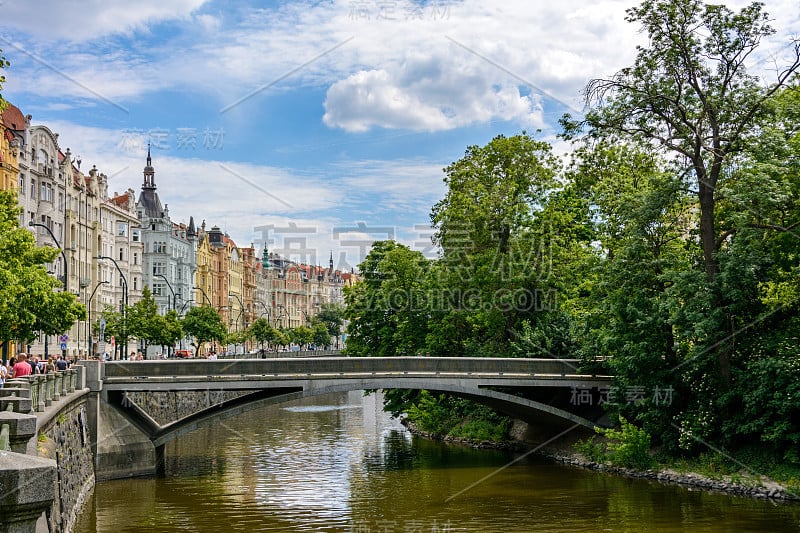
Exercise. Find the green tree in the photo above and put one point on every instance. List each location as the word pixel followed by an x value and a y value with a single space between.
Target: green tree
pixel 3 64
pixel 169 330
pixel 262 331
pixel 496 258
pixel 144 322
pixel 386 308
pixel 321 336
pixel 113 320
pixel 332 315
pixel 690 92
pixel 28 303
pixel 205 324
pixel 301 335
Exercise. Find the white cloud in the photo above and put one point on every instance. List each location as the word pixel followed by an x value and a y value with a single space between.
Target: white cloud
pixel 418 66
pixel 56 19
pixel 241 197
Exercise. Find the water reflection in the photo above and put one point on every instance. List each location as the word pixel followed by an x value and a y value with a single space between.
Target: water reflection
pixel 338 464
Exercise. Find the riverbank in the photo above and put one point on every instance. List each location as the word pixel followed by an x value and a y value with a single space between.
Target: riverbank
pixel 748 485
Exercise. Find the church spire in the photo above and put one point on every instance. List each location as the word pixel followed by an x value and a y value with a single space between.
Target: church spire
pixel 149 172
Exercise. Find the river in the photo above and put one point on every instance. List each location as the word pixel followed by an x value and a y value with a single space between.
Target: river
pixel 339 464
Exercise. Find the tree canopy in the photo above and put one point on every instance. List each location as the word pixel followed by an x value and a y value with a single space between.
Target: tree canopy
pixel 28 302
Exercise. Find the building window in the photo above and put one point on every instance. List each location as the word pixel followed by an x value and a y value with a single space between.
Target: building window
pixel 22 185
pixel 122 229
pixel 135 258
pixel 46 192
pixel 158 289
pixel 33 189
pixel 135 233
pixel 159 247
pixel 135 284
pixel 159 269
pixel 61 201
pixel 121 254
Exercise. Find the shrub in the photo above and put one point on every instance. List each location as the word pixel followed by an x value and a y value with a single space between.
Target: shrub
pixel 628 446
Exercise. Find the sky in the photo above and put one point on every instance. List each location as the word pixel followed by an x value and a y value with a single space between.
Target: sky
pixel 311 127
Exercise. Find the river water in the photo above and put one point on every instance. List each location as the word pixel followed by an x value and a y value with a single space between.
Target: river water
pixel 339 464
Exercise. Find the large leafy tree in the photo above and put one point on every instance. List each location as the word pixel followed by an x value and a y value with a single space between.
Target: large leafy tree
pixel 262 331
pixel 205 324
pixel 168 331
pixel 28 302
pixel 387 309
pixel 495 257
pixel 144 322
pixel 691 93
pixel 332 316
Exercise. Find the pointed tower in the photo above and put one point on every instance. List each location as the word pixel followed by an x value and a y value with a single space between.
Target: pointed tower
pixel 265 264
pixel 148 198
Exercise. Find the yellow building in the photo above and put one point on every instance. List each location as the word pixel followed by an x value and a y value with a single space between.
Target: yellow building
pixel 204 276
pixel 12 128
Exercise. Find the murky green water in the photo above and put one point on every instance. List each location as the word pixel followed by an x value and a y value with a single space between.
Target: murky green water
pixel 337 463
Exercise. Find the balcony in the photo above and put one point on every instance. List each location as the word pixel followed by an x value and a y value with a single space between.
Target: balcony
pixel 85 282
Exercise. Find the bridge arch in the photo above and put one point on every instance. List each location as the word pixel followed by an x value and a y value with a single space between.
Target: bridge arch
pixel 531 411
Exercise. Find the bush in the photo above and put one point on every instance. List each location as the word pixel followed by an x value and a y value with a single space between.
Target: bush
pixel 628 446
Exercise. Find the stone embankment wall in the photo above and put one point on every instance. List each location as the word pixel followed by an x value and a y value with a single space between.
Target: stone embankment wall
pixel 46 459
pixel 65 438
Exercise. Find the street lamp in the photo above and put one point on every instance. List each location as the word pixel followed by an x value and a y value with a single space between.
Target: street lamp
pixel 66 279
pixel 90 315
pixel 241 312
pixel 204 293
pixel 60 249
pixel 266 309
pixel 124 306
pixel 241 306
pixel 281 314
pixel 162 276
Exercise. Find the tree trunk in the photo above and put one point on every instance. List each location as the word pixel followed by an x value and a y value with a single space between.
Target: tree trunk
pixel 708 238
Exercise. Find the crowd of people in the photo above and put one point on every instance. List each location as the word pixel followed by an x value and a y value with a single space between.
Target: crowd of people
pixel 26 365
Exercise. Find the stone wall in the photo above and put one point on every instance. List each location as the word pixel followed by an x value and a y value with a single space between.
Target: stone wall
pixel 166 407
pixel 66 438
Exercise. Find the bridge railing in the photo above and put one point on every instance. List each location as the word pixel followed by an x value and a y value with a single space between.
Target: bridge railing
pixel 282 355
pixel 50 387
pixel 344 365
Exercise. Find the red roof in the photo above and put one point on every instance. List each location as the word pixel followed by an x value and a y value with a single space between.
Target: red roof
pixel 120 200
pixel 13 118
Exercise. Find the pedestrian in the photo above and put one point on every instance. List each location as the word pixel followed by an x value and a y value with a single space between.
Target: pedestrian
pixel 21 367
pixel 61 363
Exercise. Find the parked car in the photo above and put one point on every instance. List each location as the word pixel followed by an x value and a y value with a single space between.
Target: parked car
pixel 184 354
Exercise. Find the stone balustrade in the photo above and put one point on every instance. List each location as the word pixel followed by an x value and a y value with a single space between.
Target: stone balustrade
pixel 33 478
pixel 44 389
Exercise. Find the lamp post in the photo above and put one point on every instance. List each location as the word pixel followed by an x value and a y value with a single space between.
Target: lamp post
pixel 204 294
pixel 90 316
pixel 66 279
pixel 162 276
pixel 266 309
pixel 241 311
pixel 123 351
pixel 280 315
pixel 60 249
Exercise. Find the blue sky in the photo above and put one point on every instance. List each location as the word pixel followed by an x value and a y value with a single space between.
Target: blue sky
pixel 329 121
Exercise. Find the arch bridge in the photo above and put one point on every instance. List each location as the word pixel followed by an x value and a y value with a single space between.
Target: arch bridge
pixel 165 399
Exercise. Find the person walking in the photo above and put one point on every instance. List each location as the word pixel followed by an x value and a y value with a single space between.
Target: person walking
pixel 21 367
